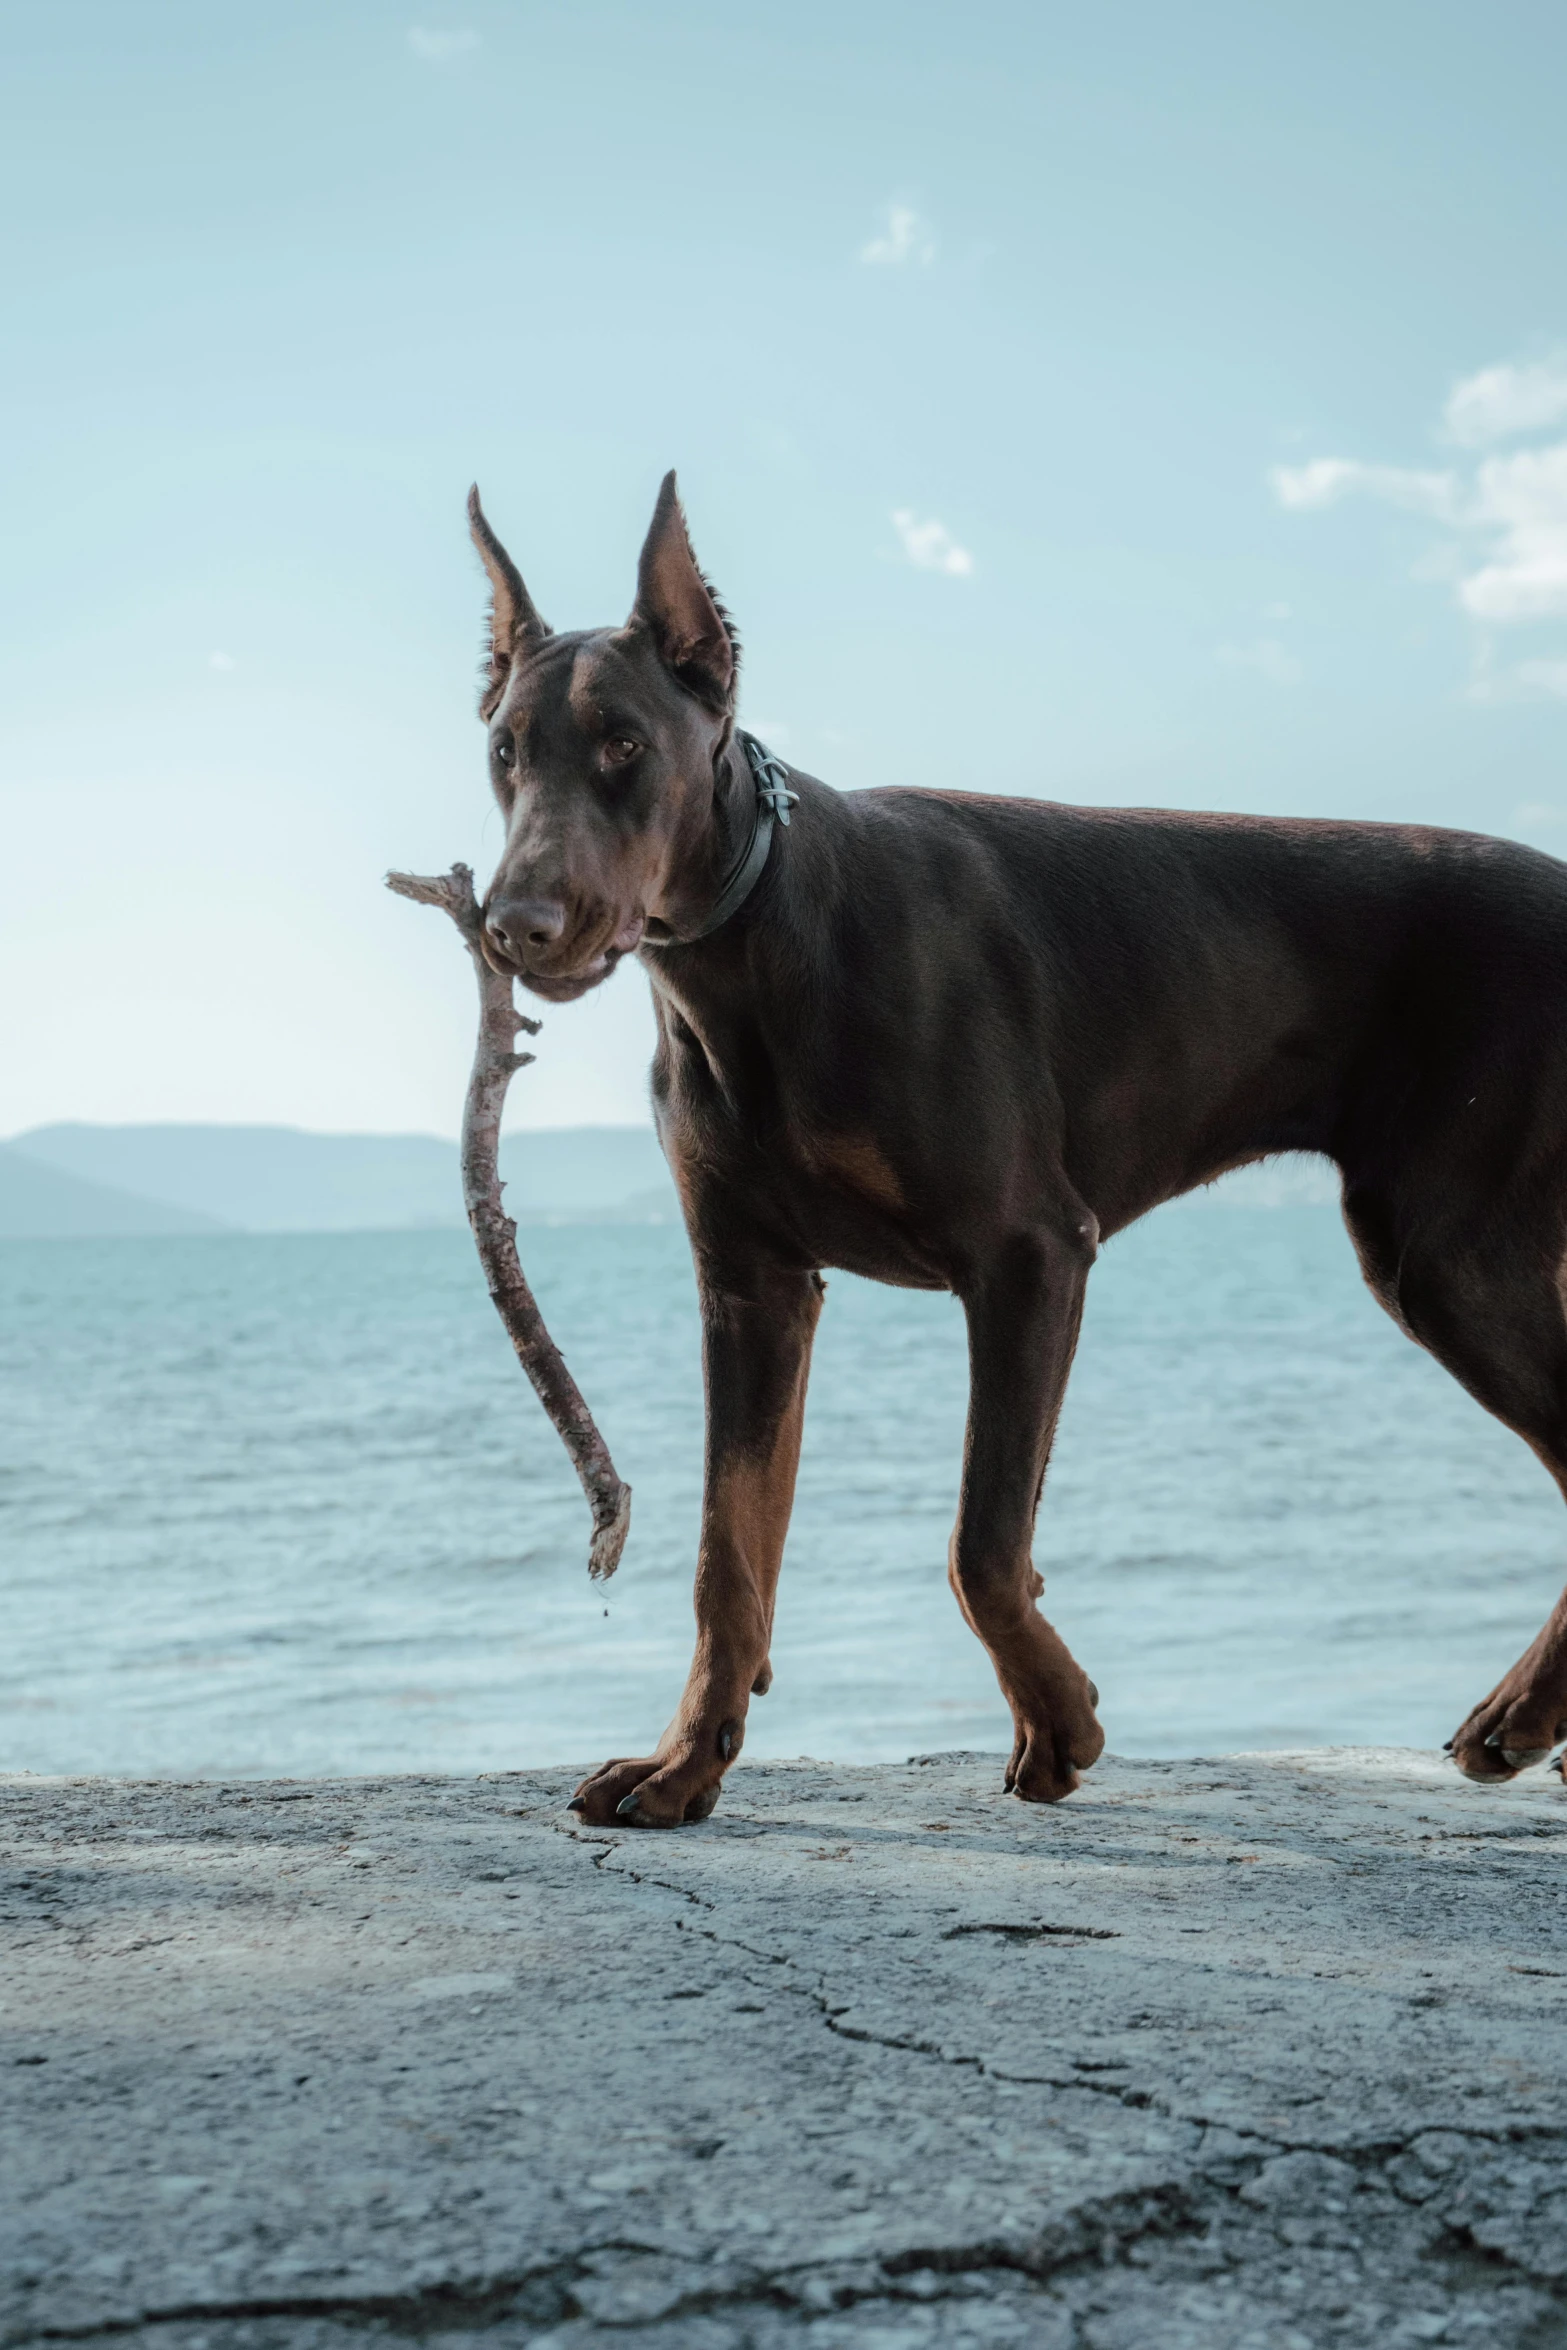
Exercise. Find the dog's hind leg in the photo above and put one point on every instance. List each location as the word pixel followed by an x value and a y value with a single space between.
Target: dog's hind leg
pixel 1483 1293
pixel 1024 1307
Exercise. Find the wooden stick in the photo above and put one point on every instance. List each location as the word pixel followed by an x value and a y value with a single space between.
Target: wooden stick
pixel 494 1064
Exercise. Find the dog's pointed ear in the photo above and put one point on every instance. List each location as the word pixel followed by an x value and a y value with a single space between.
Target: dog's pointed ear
pixel 675 604
pixel 515 625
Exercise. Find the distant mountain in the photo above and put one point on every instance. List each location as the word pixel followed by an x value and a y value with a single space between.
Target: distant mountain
pixel 589 1171
pixel 41 1202
pixel 281 1179
pixel 82 1179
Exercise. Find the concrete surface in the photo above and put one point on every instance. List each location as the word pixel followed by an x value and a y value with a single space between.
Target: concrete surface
pixel 1261 2051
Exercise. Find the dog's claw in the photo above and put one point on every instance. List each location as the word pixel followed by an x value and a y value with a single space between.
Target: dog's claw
pixel 1495 1739
pixel 628 1807
pixel 577 1804
pixel 1447 1745
pixel 1093 1694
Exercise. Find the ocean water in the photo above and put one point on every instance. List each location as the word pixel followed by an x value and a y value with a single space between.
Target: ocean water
pixel 286 1505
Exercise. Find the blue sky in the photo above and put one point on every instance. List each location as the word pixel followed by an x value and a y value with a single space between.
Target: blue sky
pixel 1129 404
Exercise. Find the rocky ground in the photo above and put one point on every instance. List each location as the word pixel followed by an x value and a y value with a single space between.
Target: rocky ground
pixel 1260 2051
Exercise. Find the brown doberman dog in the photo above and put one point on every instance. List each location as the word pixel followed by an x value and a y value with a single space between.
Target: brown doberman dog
pixel 954 1041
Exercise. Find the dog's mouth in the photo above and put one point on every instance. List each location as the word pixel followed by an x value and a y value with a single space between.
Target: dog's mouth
pixel 557 987
pixel 564 987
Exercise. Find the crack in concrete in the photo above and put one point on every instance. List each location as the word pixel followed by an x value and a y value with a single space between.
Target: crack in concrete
pixel 1132 2098
pixel 1094 2239
pixel 1036 1933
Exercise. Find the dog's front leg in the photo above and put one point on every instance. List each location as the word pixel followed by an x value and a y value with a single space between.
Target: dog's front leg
pixel 756 1351
pixel 1023 1309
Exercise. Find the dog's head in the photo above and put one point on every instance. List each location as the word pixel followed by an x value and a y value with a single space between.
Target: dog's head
pixel 604 749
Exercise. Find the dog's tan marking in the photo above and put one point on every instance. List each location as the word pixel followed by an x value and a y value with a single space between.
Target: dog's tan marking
pixel 858 1164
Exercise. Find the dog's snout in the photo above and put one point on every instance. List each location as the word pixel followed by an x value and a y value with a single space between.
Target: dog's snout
pixel 520 927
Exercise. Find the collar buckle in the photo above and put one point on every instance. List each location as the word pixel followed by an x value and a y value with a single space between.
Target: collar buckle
pixel 771 777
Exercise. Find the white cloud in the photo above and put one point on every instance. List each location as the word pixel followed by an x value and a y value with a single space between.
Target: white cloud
pixel 903 237
pixel 221 661
pixel 1501 402
pixel 930 546
pixel 1522 501
pixel 1327 479
pixel 1267 657
pixel 440 48
pixel 1505 560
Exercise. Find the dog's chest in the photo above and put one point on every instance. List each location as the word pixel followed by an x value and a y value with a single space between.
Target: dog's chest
pixel 849 1206
pixel 745 1122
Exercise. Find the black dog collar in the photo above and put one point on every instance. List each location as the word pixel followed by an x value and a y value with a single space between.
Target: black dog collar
pixel 773 803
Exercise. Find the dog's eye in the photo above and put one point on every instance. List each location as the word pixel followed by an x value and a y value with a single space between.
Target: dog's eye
pixel 505 751
pixel 619 749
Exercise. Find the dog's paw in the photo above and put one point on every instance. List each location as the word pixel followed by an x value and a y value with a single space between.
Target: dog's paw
pixel 1039 1775
pixel 1512 1730
pixel 1049 1756
pixel 649 1792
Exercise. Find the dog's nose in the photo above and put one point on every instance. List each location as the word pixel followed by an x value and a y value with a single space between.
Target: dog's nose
pixel 522 926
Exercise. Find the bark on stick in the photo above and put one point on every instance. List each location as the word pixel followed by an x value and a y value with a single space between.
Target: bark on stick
pixel 494 1062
